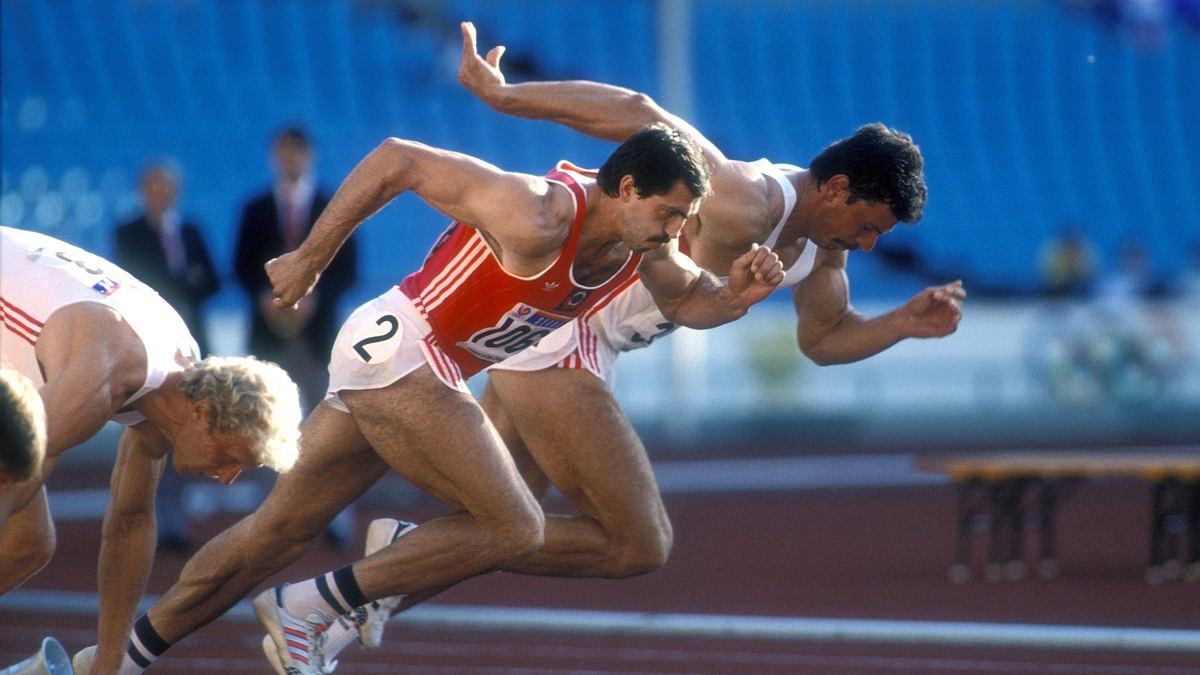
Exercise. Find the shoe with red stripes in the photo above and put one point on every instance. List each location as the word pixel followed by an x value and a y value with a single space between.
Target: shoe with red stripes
pixel 372 616
pixel 268 647
pixel 299 642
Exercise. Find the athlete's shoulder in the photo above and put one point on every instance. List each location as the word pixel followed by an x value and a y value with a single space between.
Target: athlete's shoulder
pixel 741 206
pixel 746 183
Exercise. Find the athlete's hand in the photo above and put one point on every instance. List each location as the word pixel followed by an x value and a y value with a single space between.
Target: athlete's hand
pixel 755 274
pixel 935 311
pixel 292 278
pixel 481 77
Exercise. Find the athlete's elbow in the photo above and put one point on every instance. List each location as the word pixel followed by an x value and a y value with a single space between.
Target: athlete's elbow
pixel 394 150
pixel 673 312
pixel 813 351
pixel 642 107
pixel 391 160
pixel 693 320
pixel 822 359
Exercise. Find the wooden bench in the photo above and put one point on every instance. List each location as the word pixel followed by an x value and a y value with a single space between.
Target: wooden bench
pixel 994 488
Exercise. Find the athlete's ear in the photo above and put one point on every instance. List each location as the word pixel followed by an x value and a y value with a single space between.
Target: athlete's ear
pixel 199 413
pixel 837 188
pixel 627 189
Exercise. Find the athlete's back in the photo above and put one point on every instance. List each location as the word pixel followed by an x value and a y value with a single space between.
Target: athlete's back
pixel 40 275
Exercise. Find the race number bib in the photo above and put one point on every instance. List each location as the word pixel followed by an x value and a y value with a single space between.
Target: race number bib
pixel 522 327
pixel 87 269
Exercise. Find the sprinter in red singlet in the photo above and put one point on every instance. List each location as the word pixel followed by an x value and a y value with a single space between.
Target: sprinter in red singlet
pixel 854 191
pixel 525 255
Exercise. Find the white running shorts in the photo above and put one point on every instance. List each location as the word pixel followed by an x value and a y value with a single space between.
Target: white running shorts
pixel 382 341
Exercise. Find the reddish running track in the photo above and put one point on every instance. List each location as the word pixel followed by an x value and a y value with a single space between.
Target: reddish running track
pixel 831 553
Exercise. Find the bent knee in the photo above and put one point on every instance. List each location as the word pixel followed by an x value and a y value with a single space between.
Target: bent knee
pixel 644 554
pixel 26 559
pixel 522 535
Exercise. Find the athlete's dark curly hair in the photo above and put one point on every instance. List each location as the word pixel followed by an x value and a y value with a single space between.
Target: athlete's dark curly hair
pixel 22 427
pixel 883 165
pixel 657 157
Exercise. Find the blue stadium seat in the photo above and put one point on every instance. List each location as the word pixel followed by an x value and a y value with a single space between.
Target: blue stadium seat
pixel 1029 115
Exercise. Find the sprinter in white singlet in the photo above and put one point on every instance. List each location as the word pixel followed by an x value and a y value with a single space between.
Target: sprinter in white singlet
pixel 552 404
pixel 101 346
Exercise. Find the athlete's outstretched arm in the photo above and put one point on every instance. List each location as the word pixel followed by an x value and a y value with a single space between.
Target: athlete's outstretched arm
pixel 515 208
pixel 829 331
pixel 127 540
pixel 91 359
pixel 593 108
pixel 692 297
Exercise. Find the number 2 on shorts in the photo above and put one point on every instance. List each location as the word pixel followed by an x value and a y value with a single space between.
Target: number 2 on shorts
pixel 393 326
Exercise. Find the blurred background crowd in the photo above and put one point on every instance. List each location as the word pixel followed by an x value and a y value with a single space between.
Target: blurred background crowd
pixel 191 140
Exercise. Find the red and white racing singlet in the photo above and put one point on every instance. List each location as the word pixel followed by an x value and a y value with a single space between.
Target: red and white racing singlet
pixel 482 314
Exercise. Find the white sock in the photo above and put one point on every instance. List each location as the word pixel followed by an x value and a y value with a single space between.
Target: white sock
pixel 145 646
pixel 128 667
pixel 340 634
pixel 323 595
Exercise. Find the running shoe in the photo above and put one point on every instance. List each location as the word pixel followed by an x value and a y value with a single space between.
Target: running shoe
pixel 299 642
pixel 82 663
pixel 372 616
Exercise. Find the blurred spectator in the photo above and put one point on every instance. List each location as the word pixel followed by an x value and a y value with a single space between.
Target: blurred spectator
pixel 1144 22
pixel 1067 264
pixel 273 223
pixel 1107 12
pixel 1125 290
pixel 168 253
pixel 1122 348
pixel 299 340
pixel 1189 281
pixel 1188 12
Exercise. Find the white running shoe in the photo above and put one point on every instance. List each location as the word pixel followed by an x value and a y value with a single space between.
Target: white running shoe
pixel 272 654
pixel 372 616
pixel 299 642
pixel 82 663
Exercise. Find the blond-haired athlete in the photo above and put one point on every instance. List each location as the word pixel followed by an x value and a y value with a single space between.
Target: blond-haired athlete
pixel 102 346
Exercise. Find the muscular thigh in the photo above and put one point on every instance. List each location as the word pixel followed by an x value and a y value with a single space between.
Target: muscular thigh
pixel 533 475
pixel 336 465
pixel 579 436
pixel 441 441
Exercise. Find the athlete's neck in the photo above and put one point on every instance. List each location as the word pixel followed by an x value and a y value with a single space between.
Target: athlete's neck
pixel 601 248
pixel 602 224
pixel 166 407
pixel 800 220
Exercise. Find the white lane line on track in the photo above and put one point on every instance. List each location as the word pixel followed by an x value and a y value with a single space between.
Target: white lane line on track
pixel 717 626
pixel 403 653
pixel 399 655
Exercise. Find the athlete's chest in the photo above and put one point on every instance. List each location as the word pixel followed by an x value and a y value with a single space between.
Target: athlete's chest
pixel 790 252
pixel 592 268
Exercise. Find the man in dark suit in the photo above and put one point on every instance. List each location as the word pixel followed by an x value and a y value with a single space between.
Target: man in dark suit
pixel 274 223
pixel 300 340
pixel 167 253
